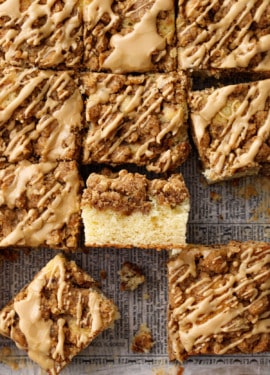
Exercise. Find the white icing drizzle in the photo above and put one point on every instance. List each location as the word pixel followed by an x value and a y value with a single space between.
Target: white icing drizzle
pixel 214 309
pixel 133 51
pixel 21 36
pixel 64 203
pixel 215 38
pixel 150 97
pixel 64 115
pixel 225 153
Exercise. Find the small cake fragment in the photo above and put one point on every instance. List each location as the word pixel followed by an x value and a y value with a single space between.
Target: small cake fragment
pixel 143 341
pixel 43 34
pixel 125 209
pixel 139 120
pixel 231 129
pixel 40 115
pixel 219 300
pixel 131 276
pixel 40 205
pixel 218 35
pixel 58 314
pixel 129 36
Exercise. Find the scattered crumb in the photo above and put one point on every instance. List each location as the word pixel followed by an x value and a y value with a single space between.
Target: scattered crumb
pixel 215 196
pixel 142 342
pixel 5 354
pixel 180 370
pixel 131 276
pixel 146 296
pixel 248 192
pixel 103 275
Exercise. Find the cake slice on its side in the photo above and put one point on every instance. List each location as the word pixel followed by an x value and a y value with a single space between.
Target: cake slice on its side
pixel 40 205
pixel 42 34
pixel 128 210
pixel 40 115
pixel 138 120
pixel 129 36
pixel 219 300
pixel 214 35
pixel 58 314
pixel 231 129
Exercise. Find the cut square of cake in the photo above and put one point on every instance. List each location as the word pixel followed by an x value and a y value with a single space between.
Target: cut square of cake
pixel 218 35
pixel 40 115
pixel 44 34
pixel 128 210
pixel 122 36
pixel 231 129
pixel 40 205
pixel 58 314
pixel 219 299
pixel 138 120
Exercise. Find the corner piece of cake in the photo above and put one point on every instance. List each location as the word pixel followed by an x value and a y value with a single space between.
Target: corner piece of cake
pixel 58 314
pixel 219 299
pixel 139 120
pixel 40 115
pixel 128 210
pixel 40 205
pixel 129 36
pixel 218 35
pixel 231 129
pixel 43 34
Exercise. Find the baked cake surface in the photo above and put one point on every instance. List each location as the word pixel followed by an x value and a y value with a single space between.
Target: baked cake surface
pixel 231 34
pixel 136 119
pixel 129 36
pixel 219 299
pixel 40 205
pixel 57 314
pixel 231 129
pixel 128 210
pixel 40 115
pixel 44 34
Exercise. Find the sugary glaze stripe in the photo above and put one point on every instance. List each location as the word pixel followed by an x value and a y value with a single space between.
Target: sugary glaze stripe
pixel 227 149
pixel 34 228
pixel 144 103
pixel 60 118
pixel 216 308
pixel 140 43
pixel 209 42
pixel 37 329
pixel 62 27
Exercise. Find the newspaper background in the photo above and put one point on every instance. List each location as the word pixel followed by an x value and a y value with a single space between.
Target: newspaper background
pixel 238 210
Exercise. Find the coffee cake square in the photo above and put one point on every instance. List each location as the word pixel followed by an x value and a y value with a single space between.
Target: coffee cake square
pixel 219 299
pixel 231 129
pixel 218 35
pixel 58 314
pixel 40 205
pixel 122 36
pixel 139 120
pixel 40 115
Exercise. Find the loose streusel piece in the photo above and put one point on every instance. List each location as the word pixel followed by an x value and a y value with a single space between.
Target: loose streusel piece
pixel 231 129
pixel 128 210
pixel 131 276
pixel 129 36
pixel 143 341
pixel 44 34
pixel 219 299
pixel 218 35
pixel 40 115
pixel 40 205
pixel 136 119
pixel 57 315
